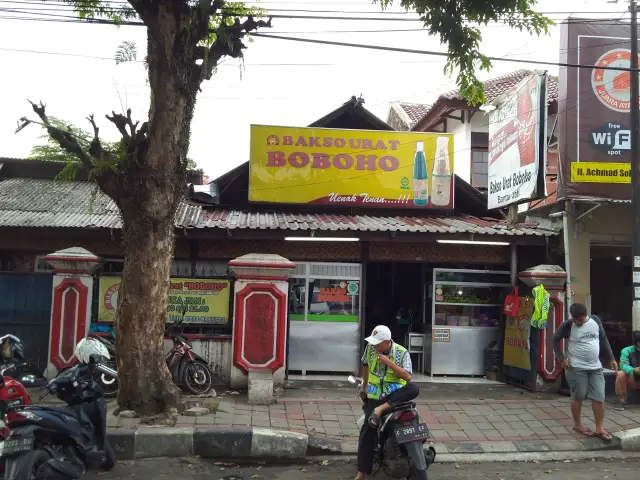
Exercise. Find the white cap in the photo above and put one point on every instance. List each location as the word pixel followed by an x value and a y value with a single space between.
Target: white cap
pixel 380 334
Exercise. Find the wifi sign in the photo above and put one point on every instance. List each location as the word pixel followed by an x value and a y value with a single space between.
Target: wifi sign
pixel 611 138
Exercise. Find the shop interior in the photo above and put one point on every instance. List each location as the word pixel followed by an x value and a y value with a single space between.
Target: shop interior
pixel 467 304
pixel 612 292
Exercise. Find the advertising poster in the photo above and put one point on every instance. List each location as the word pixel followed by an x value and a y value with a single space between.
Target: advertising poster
pixel 594 111
pixel 206 301
pixel 516 337
pixel 376 169
pixel 517 144
pixel 330 301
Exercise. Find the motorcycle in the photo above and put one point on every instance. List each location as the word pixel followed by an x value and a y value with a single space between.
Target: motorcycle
pixel 60 442
pixel 14 364
pixel 12 394
pixel 400 438
pixel 188 369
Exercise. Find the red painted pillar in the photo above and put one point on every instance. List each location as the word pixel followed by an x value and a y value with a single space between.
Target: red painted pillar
pixel 259 316
pixel 71 304
pixel 553 278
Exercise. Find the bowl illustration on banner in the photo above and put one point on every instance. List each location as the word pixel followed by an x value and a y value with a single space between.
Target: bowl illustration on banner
pixel 110 300
pixel 613 87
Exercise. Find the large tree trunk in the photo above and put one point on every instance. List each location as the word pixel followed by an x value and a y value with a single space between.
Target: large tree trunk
pixel 145 383
pixel 152 184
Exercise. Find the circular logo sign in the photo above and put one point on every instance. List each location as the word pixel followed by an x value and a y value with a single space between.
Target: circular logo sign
pixel 613 87
pixel 352 288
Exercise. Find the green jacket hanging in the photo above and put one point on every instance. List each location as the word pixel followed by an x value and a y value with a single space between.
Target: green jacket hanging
pixel 540 307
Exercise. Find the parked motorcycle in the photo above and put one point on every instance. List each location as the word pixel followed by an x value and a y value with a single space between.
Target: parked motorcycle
pixel 188 369
pixel 62 442
pixel 400 437
pixel 14 364
pixel 12 394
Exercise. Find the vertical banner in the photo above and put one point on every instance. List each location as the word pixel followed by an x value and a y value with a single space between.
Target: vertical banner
pixel 518 144
pixel 516 337
pixel 594 123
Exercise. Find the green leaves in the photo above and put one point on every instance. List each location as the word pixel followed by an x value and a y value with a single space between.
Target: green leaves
pixel 456 23
pixel 119 12
pixel 126 52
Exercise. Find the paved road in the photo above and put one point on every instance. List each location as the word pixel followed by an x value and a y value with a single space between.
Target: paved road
pixel 193 469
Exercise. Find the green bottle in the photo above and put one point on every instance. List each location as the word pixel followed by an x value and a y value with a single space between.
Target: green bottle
pixel 420 177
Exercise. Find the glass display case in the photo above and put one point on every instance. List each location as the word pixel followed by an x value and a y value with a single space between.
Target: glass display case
pixel 466 315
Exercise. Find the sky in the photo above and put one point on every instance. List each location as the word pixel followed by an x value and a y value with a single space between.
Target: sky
pixel 71 68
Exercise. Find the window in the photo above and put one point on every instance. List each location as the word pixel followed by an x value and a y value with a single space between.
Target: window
pixel 480 160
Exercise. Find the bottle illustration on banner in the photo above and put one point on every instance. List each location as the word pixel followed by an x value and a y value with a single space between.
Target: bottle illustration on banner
pixel 441 174
pixel 420 177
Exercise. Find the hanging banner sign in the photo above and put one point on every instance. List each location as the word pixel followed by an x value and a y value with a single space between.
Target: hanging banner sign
pixel 516 336
pixel 204 301
pixel 517 144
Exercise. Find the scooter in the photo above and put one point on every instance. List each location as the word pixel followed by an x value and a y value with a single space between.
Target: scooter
pixel 60 442
pixel 400 437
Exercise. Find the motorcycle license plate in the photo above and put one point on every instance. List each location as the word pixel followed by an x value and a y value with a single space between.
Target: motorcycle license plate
pixel 16 445
pixel 412 433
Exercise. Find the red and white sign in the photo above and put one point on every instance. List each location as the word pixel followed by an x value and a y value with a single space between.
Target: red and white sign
pixel 517 143
pixel 613 87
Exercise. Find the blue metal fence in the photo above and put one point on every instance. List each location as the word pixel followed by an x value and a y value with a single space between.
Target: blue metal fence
pixel 25 311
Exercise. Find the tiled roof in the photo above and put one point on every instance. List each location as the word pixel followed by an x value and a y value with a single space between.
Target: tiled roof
pixel 239 219
pixel 493 88
pixel 28 202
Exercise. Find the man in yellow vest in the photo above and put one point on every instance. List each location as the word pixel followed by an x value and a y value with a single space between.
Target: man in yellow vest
pixel 386 372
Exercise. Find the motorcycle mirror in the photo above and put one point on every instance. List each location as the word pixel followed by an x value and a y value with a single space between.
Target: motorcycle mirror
pixel 352 380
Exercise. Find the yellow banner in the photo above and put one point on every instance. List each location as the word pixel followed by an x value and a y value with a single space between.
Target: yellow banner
pixel 516 337
pixel 378 169
pixel 600 172
pixel 206 301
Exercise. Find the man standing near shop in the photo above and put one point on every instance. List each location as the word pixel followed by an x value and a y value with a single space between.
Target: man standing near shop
pixel 587 342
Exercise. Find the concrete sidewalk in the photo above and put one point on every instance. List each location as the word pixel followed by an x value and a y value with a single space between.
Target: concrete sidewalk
pixel 449 421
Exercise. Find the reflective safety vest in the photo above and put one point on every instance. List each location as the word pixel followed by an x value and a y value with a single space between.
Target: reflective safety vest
pixel 540 307
pixel 383 379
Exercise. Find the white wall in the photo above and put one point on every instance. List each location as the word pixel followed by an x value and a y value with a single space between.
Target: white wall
pixel 462 141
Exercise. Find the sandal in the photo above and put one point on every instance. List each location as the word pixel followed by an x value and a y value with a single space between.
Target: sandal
pixel 584 431
pixel 606 436
pixel 374 420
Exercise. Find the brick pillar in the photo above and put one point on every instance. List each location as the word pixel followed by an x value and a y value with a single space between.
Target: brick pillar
pixel 259 316
pixel 71 304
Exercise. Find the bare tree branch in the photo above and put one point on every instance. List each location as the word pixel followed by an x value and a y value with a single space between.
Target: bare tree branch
pixel 67 140
pixel 230 44
pixel 95 149
pixel 122 123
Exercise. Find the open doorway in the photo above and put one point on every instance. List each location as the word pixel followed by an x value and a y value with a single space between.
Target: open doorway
pixel 612 293
pixel 395 298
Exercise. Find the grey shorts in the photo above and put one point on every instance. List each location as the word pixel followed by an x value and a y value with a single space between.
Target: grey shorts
pixel 586 384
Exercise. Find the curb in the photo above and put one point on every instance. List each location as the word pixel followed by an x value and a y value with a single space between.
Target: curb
pixel 629 440
pixel 219 442
pixel 265 443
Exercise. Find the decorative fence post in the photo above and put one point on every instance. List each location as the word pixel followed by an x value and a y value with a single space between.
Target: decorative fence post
pixel 71 304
